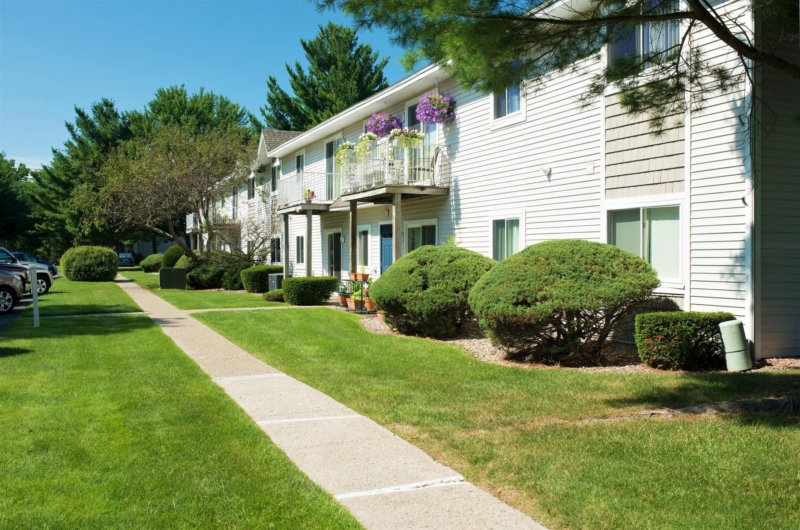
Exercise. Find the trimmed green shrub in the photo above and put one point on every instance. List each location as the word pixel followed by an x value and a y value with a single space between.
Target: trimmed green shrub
pixel 256 279
pixel 90 264
pixel 426 291
pixel 205 276
pixel 275 295
pixel 171 256
pixel 312 290
pixel 151 263
pixel 233 265
pixel 185 262
pixel 561 298
pixel 678 340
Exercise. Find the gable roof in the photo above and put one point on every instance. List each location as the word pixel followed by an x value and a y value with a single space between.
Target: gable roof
pixel 272 138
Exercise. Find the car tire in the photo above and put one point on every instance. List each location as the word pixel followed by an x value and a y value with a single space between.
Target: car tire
pixel 44 285
pixel 7 300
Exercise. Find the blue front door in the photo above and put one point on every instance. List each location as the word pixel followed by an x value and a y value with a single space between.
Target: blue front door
pixel 386 247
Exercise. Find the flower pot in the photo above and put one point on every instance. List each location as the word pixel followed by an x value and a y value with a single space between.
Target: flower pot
pixel 381 314
pixel 343 299
pixel 369 305
pixel 362 276
pixel 354 304
pixel 352 275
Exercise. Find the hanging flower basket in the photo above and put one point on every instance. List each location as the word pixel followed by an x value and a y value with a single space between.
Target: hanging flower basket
pixel 382 123
pixel 364 143
pixel 436 108
pixel 344 151
pixel 406 138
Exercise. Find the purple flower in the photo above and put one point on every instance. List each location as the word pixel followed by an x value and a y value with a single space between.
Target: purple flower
pixel 433 108
pixel 382 123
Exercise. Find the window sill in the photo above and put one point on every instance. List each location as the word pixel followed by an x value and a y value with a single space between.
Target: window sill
pixel 508 120
pixel 670 288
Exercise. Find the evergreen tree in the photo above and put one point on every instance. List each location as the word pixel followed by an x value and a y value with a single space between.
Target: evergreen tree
pixel 491 44
pixel 15 204
pixel 341 72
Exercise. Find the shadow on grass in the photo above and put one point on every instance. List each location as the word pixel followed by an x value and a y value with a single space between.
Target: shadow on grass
pixel 12 352
pixel 73 327
pixel 698 389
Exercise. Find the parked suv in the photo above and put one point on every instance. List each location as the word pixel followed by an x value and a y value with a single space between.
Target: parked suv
pixel 44 278
pixel 27 257
pixel 11 290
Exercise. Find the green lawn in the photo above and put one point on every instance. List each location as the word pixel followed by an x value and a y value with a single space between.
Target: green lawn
pixel 517 433
pixel 105 423
pixel 197 299
pixel 83 298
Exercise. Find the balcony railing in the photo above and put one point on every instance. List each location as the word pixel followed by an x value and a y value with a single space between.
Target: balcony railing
pixel 383 165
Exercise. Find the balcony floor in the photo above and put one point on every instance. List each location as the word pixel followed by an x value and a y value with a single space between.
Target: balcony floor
pixel 303 207
pixel 384 194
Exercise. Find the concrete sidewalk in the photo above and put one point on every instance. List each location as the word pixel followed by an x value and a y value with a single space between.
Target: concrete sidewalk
pixel 385 482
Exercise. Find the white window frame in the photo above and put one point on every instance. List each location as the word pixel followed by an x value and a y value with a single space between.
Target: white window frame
pixel 368 229
pixel 506 214
pixel 418 223
pixel 278 175
pixel 509 119
pixel 302 153
pixel 668 285
pixel 325 142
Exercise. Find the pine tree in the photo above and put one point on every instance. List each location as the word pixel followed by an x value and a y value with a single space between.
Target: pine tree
pixel 341 72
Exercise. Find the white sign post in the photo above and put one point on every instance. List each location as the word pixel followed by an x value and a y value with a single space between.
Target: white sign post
pixel 35 294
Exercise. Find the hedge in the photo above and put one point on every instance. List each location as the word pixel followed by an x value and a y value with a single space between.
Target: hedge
pixel 561 298
pixel 311 290
pixel 185 262
pixel 256 279
pixel 426 291
pixel 275 295
pixel 678 340
pixel 171 256
pixel 151 263
pixel 205 276
pixel 217 272
pixel 90 264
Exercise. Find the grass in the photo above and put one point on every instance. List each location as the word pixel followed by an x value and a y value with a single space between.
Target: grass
pixel 518 433
pixel 104 423
pixel 83 298
pixel 198 299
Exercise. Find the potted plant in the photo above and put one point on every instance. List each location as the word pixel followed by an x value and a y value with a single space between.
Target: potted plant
pixel 362 276
pixel 436 108
pixel 369 305
pixel 382 123
pixel 343 295
pixel 356 300
pixel 308 195
pixel 407 138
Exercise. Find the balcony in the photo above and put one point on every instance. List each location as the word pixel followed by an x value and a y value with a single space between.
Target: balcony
pixel 384 171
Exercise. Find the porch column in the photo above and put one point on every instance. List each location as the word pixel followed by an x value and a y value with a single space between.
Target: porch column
pixel 397 227
pixel 286 245
pixel 309 224
pixel 353 236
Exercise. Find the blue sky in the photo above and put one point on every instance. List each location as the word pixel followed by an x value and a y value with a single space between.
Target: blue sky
pixel 57 54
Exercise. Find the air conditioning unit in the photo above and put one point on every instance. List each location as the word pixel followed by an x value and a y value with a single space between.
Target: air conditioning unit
pixel 275 281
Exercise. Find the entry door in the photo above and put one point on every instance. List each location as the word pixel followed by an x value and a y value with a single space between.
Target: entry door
pixel 386 247
pixel 335 254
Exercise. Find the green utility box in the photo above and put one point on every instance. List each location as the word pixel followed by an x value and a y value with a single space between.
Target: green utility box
pixel 737 349
pixel 171 278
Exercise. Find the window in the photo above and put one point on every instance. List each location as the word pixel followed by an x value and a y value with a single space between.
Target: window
pixel 275 250
pixel 505 238
pixel 251 188
pixel 5 257
pixel 507 102
pixel 648 39
pixel 651 233
pixel 234 203
pixel 363 248
pixel 421 235
pixel 333 178
pixel 300 163
pixel 275 176
pixel 249 248
pixel 301 251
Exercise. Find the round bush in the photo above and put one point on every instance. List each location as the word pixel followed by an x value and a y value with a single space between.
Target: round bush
pixel 90 264
pixel 205 276
pixel 275 295
pixel 256 279
pixel 171 256
pixel 426 291
pixel 561 298
pixel 151 263
pixel 312 290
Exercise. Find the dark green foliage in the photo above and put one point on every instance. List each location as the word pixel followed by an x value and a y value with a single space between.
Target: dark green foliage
pixel 275 295
pixel 341 72
pixel 256 279
pixel 151 263
pixel 561 298
pixel 312 290
pixel 205 276
pixel 171 256
pixel 426 291
pixel 185 262
pixel 90 264
pixel 15 203
pixel 137 258
pixel 678 340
